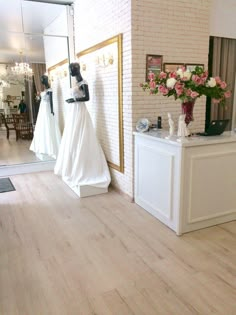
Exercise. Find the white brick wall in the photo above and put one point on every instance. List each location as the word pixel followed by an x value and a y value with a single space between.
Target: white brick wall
pixel 178 30
pixel 96 21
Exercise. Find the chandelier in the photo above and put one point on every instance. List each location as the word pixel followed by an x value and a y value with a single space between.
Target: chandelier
pixel 22 69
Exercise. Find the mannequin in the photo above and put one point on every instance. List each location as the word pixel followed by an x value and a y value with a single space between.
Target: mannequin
pixel 74 69
pixel 47 136
pixel 81 162
pixel 44 81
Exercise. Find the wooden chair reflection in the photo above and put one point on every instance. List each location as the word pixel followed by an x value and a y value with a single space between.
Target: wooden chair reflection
pixel 24 128
pixel 9 124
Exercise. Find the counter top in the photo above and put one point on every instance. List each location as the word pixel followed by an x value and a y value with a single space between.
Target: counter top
pixel 195 140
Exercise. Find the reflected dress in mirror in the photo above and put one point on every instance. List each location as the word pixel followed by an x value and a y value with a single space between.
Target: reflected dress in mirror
pixel 47 135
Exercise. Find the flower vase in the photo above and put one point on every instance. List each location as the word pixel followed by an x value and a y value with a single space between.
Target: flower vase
pixel 187 109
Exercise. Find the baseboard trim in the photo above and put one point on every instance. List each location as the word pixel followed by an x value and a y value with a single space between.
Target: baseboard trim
pixel 25 168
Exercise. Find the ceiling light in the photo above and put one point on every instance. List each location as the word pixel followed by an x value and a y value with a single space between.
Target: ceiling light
pixel 22 69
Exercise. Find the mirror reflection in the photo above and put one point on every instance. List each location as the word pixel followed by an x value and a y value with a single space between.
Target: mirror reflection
pixel 25 58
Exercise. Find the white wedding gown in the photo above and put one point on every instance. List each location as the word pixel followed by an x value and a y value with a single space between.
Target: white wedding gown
pixel 47 135
pixel 81 160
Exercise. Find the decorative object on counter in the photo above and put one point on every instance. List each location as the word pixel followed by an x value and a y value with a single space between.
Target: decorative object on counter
pixel 187 109
pixel 182 128
pixel 187 86
pixel 142 125
pixel 171 125
pixel 159 121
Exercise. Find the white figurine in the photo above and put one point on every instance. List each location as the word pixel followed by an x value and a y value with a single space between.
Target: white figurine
pixel 171 124
pixel 182 128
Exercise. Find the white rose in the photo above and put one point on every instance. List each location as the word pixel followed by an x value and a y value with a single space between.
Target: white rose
pixel 170 83
pixel 180 73
pixel 211 82
pixel 187 74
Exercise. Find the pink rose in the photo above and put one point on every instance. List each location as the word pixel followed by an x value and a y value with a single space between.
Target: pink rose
pixel 152 84
pixel 162 75
pixel 223 85
pixel 197 79
pixel 173 75
pixel 194 94
pixel 163 90
pixel 151 76
pixel 188 92
pixel 179 91
pixel 227 94
pixel 218 80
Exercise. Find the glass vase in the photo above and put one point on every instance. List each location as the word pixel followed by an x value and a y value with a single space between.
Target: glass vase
pixel 187 109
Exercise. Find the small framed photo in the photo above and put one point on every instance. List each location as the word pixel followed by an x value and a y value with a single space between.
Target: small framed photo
pixel 153 64
pixel 171 67
pixel 191 66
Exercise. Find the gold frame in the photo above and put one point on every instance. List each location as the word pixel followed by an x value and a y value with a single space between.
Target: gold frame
pixel 173 65
pixel 116 39
pixel 61 63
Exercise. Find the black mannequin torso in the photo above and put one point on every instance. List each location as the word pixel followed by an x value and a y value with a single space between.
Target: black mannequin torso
pixel 44 81
pixel 74 68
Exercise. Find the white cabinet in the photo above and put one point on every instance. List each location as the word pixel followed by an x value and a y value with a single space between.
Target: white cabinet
pixel 187 185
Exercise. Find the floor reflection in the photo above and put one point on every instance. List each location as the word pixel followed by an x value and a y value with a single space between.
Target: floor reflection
pixel 16 152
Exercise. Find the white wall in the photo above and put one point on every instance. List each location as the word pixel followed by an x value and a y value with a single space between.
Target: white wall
pixel 222 18
pixel 181 35
pixel 177 31
pixel 96 21
pixel 56 51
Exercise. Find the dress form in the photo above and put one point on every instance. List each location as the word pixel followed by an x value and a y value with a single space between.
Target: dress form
pixel 47 135
pixel 81 162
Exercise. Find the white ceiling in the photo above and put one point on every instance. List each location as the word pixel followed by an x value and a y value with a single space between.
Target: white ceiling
pixel 19 17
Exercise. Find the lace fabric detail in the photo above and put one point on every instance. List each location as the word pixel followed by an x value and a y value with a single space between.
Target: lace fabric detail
pixel 76 92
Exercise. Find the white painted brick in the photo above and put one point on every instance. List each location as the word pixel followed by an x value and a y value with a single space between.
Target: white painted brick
pixel 178 32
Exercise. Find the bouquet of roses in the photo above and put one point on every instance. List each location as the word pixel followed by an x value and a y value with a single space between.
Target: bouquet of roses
pixel 187 85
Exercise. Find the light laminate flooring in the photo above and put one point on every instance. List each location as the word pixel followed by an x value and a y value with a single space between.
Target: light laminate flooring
pixel 62 255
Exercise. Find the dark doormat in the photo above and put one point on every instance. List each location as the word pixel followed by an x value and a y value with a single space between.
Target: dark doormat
pixel 6 185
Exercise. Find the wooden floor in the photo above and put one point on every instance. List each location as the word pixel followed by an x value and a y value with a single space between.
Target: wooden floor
pixel 15 152
pixel 61 255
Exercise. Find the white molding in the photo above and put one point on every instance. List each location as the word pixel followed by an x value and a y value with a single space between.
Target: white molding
pixel 152 208
pixel 193 158
pixel 35 167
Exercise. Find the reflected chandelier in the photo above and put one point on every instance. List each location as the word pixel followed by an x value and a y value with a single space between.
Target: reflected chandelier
pixel 22 69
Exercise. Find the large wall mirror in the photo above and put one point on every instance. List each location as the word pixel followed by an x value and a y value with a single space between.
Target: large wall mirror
pixel 34 33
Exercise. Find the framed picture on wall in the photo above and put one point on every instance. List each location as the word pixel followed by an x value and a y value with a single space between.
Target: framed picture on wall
pixel 153 64
pixel 170 67
pixel 191 66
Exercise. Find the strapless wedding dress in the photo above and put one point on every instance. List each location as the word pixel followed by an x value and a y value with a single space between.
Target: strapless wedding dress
pixel 47 135
pixel 81 160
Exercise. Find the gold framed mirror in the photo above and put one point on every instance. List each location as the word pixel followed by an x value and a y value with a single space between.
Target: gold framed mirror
pixel 101 66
